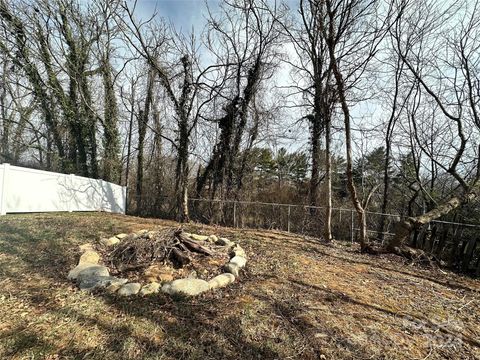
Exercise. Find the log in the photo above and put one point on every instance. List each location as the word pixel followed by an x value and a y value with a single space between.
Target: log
pixel 191 245
pixel 417 255
pixel 179 257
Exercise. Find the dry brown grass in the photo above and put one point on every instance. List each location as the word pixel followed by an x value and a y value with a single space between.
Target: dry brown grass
pixel 298 299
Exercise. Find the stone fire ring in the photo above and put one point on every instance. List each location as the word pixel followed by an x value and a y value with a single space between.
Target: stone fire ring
pixel 90 275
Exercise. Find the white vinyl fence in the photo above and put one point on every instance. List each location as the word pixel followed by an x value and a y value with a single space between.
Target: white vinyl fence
pixel 29 190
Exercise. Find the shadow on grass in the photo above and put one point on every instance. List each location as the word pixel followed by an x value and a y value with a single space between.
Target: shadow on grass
pixel 376 263
pixel 198 332
pixel 200 329
pixel 203 327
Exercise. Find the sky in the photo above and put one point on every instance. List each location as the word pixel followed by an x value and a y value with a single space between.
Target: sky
pixel 185 14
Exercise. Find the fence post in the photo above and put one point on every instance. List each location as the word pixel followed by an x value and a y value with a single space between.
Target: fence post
pixel 3 193
pixel 352 230
pixel 234 213
pixel 288 219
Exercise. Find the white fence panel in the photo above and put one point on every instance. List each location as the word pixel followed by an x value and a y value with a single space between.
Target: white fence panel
pixel 29 190
pixel 2 195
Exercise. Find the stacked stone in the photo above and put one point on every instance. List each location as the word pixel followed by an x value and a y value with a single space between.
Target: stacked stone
pixel 90 275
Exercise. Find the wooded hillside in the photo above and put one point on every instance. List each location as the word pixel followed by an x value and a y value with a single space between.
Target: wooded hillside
pixel 370 105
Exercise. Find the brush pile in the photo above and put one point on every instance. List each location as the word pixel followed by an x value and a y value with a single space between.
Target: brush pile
pixel 139 251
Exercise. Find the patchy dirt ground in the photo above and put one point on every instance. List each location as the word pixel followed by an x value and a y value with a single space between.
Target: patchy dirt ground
pixel 297 299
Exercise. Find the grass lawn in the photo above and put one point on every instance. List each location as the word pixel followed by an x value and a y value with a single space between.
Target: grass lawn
pixel 297 299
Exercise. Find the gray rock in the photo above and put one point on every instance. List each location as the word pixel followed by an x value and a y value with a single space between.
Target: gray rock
pixel 224 242
pixel 240 261
pixel 121 236
pixel 221 281
pixel 129 289
pixel 212 238
pixel 189 287
pixel 151 288
pixel 110 241
pixel 141 232
pixel 193 275
pixel 233 269
pixel 237 250
pixel 197 237
pixel 89 257
pixel 72 275
pixel 118 281
pixel 86 247
pixel 95 282
pixel 92 271
pixel 113 288
pixel 150 234
pixel 235 265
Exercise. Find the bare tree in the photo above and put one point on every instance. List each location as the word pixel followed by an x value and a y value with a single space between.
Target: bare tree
pixel 244 39
pixel 17 133
pixel 313 63
pixel 455 94
pixel 344 26
pixel 143 117
pixel 108 32
pixel 54 46
pixel 18 47
pixel 181 90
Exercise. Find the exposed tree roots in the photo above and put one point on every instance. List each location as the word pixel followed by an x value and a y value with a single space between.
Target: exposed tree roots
pixel 416 255
pixel 369 249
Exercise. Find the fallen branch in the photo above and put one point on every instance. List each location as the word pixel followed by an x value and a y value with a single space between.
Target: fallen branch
pixel 191 245
pixel 138 252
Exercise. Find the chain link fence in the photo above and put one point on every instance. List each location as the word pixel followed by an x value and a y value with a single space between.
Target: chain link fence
pixel 300 219
pixel 455 245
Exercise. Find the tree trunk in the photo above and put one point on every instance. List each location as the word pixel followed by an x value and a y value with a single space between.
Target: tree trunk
pixel 222 153
pixel 130 128
pixel 386 188
pixel 327 229
pixel 90 123
pixel 246 153
pixel 315 177
pixel 403 229
pixel 142 118
pixel 142 130
pixel 111 161
pixel 6 121
pixel 348 138
pixel 182 170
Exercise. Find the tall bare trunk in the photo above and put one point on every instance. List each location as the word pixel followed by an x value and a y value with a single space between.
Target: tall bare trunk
pixel 348 137
pixel 315 176
pixel 111 161
pixel 130 128
pixel 142 130
pixel 182 170
pixel 388 146
pixel 327 229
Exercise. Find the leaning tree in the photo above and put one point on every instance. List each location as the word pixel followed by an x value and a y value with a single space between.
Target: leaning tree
pixel 441 52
